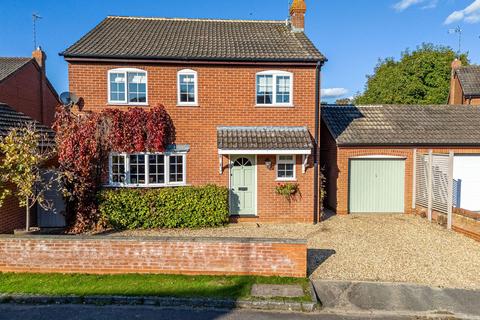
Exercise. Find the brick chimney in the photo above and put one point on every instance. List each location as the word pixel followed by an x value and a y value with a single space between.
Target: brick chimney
pixel 456 92
pixel 40 56
pixel 297 15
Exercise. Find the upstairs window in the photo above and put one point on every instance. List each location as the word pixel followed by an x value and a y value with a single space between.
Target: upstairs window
pixel 127 86
pixel 274 88
pixel 187 88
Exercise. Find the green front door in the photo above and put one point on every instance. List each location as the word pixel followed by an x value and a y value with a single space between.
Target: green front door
pixel 377 186
pixel 242 185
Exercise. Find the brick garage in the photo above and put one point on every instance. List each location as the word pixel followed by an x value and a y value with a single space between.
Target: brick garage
pixel 191 256
pixel 390 132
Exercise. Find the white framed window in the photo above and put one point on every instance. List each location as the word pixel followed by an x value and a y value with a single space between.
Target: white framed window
pixel 187 84
pixel 147 170
pixel 274 88
pixel 286 167
pixel 127 86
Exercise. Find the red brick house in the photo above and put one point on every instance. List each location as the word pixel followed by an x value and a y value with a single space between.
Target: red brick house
pixel 243 96
pixel 368 152
pixel 25 87
pixel 26 95
pixel 465 84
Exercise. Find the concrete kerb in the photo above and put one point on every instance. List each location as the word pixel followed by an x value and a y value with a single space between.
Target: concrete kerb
pixel 204 303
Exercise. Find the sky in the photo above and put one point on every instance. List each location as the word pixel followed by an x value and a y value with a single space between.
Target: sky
pixel 353 34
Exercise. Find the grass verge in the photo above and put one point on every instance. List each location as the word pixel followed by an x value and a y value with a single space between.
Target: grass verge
pixel 232 287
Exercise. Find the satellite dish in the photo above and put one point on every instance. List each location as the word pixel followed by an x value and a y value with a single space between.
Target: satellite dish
pixel 68 99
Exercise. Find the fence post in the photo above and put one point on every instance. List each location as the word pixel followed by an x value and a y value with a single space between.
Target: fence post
pixel 414 187
pixel 430 184
pixel 450 190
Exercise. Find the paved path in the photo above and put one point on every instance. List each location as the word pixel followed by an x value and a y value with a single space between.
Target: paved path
pixel 82 312
pixel 344 296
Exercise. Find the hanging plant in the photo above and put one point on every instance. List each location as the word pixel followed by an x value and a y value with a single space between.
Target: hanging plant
pixel 287 190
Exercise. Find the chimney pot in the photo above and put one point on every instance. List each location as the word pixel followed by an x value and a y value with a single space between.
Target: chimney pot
pixel 456 64
pixel 297 15
pixel 40 56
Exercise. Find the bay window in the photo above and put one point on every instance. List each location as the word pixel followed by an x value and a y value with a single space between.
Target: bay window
pixel 127 86
pixel 147 170
pixel 274 88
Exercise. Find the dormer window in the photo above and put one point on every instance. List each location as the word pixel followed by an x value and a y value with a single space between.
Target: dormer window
pixel 274 88
pixel 187 88
pixel 127 86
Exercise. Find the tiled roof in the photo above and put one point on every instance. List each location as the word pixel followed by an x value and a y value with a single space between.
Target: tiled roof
pixel 403 125
pixel 9 119
pixel 470 79
pixel 9 65
pixel 194 39
pixel 264 138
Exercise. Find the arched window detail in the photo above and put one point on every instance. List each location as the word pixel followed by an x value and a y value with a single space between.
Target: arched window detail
pixel 242 162
pixel 127 86
pixel 187 88
pixel 274 88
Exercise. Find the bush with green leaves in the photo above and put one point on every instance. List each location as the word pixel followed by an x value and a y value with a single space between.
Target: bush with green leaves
pixel 183 207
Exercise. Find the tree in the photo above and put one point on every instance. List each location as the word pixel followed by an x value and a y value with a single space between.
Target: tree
pixel 419 77
pixel 344 102
pixel 24 153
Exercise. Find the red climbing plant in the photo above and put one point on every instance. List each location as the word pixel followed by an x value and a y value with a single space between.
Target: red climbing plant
pixel 84 142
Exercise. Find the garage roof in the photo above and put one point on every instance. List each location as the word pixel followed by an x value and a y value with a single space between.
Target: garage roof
pixel 10 119
pixel 401 125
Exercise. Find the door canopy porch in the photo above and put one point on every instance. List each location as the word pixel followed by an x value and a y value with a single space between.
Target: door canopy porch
pixel 264 141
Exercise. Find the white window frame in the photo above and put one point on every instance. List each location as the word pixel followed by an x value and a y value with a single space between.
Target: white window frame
pixel 274 74
pixel 187 72
pixel 167 183
pixel 126 71
pixel 293 161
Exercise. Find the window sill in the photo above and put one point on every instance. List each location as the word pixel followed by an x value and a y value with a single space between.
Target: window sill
pixel 286 180
pixel 128 104
pixel 151 186
pixel 181 105
pixel 274 106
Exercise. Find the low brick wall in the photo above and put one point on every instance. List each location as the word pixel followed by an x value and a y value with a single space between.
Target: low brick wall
pixel 108 255
pixel 463 221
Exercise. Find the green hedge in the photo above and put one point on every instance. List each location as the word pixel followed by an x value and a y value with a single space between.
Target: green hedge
pixel 183 207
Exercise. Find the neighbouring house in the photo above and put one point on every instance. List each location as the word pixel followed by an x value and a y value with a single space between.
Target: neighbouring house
pixel 26 96
pixel 11 215
pixel 373 157
pixel 465 84
pixel 244 97
pixel 25 88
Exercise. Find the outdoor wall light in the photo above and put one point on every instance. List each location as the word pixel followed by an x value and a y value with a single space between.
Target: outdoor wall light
pixel 268 164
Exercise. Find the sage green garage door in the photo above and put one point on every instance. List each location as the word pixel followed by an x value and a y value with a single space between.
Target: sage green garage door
pixel 377 186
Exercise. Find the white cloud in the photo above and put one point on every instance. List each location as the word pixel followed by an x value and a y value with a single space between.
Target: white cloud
pixel 405 4
pixel 334 92
pixel 470 14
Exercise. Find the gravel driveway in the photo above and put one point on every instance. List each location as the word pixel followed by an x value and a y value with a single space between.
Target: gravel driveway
pixel 394 248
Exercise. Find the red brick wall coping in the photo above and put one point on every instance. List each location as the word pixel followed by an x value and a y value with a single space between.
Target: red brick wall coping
pixel 160 255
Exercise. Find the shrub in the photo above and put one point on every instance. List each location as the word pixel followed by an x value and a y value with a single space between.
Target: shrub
pixel 183 207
